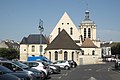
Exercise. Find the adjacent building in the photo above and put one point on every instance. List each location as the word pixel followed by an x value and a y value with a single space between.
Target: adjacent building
pixel 106 49
pixel 30 46
pixel 9 44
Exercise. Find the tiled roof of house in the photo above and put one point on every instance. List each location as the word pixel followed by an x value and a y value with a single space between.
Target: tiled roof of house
pixel 33 39
pixel 88 44
pixel 63 41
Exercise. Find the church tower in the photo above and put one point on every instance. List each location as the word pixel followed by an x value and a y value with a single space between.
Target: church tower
pixel 87 28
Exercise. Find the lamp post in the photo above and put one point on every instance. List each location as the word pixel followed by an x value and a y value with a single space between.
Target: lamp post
pixel 41 29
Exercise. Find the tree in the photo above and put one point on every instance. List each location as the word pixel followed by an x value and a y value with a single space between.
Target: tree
pixel 115 48
pixel 9 53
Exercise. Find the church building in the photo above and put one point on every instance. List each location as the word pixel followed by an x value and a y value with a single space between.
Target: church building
pixel 88 49
pixel 67 42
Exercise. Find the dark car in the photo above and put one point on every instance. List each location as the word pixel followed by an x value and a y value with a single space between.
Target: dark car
pixel 72 63
pixel 55 68
pixel 22 76
pixel 117 65
pixel 3 59
pixel 39 74
pixel 52 68
pixel 22 68
pixel 8 77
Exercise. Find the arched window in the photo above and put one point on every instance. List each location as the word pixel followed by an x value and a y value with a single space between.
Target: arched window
pixel 33 48
pixel 72 55
pixel 93 52
pixel 84 33
pixel 58 30
pixel 71 31
pixel 82 52
pixel 65 55
pixel 89 33
pixel 56 55
pixel 50 55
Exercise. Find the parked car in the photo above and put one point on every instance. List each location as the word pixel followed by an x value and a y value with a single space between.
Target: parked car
pixel 8 77
pixel 22 68
pixel 38 58
pixel 117 65
pixel 38 73
pixel 72 63
pixel 3 59
pixel 52 68
pixel 39 66
pixel 22 76
pixel 63 64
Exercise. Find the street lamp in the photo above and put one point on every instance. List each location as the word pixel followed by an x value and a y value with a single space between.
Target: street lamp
pixel 41 29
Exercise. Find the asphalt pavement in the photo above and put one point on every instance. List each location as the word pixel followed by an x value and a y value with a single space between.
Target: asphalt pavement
pixel 89 72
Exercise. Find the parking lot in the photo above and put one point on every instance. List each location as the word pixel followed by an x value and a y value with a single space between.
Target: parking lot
pixel 88 72
pixel 64 73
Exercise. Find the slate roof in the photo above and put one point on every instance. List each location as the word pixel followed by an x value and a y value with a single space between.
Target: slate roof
pixel 33 39
pixel 88 44
pixel 63 41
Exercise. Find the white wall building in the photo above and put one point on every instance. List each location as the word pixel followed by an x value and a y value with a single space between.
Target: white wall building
pixel 30 46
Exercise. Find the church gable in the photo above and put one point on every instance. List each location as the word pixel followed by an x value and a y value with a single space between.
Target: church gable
pixel 65 23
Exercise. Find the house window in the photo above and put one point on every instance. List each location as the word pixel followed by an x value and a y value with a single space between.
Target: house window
pixel 62 23
pixel 65 55
pixel 56 55
pixel 67 23
pixel 71 31
pixel 50 55
pixel 89 33
pixel 72 55
pixel 93 52
pixel 33 48
pixel 58 30
pixel 41 49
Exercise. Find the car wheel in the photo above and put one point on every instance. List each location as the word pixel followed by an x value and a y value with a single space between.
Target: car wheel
pixel 51 71
pixel 66 67
pixel 43 75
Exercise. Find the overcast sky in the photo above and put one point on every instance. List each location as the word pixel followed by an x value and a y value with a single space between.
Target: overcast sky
pixel 19 18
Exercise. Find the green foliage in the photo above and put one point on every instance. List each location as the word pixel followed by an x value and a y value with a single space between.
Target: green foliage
pixel 115 48
pixel 9 53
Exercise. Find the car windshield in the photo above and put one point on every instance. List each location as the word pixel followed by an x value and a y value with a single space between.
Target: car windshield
pixel 5 70
pixel 24 66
